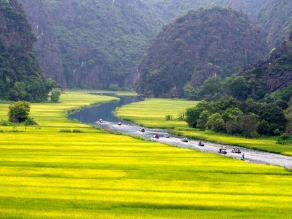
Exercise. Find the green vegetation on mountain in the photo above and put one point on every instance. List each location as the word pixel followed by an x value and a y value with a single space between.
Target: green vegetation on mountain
pixel 169 9
pixel 47 47
pixel 20 74
pixel 199 45
pixel 98 44
pixel 275 20
pixel 268 76
pixel 269 82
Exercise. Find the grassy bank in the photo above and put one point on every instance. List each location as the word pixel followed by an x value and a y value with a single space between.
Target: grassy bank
pixel 151 113
pixel 45 173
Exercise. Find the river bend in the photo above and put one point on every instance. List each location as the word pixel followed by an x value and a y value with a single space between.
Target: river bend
pixel 92 114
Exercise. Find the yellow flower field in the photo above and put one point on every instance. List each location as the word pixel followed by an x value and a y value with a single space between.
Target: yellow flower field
pixel 48 174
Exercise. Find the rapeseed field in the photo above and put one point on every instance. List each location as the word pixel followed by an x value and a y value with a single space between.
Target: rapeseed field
pixel 45 173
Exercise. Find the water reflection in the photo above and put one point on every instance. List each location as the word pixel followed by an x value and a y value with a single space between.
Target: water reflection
pixel 104 111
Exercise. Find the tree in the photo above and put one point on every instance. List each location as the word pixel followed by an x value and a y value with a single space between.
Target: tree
pixel 50 84
pixel 231 114
pixel 236 86
pixel 274 115
pixel 19 111
pixel 264 128
pixel 210 87
pixel 249 125
pixel 215 122
pixel 203 119
pixel 189 91
pixel 282 104
pixel 18 91
pixel 233 126
pixel 55 95
pixel 192 115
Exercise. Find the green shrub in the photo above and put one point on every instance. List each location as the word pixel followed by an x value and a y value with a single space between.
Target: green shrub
pixel 4 123
pixel 77 131
pixel 65 130
pixel 19 111
pixel 30 122
pixel 168 117
pixel 285 139
pixel 181 116
pixel 55 95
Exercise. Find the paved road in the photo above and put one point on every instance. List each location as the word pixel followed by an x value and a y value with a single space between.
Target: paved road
pixel 252 156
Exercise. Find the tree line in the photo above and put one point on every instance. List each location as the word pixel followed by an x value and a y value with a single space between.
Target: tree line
pixel 228 115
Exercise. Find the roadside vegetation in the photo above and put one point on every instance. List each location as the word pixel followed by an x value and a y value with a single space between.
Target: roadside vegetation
pixel 48 173
pixel 153 112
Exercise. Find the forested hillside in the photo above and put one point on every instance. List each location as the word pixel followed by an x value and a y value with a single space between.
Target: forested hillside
pixel 272 74
pixel 98 44
pixel 20 74
pixel 199 45
pixel 169 9
pixel 48 52
pixel 275 20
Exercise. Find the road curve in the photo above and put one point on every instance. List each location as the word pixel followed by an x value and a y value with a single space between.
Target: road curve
pixel 250 155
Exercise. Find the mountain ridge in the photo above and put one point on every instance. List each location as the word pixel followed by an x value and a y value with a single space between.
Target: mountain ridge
pixel 199 45
pixel 96 44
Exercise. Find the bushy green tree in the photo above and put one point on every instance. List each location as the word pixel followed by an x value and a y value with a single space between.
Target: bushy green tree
pixel 249 125
pixel 192 116
pixel 18 92
pixel 19 111
pixel 264 128
pixel 282 104
pixel 216 122
pixel 55 95
pixel 274 115
pixel 236 87
pixel 189 92
pixel 203 119
pixel 231 114
pixel 210 88
pixel 233 126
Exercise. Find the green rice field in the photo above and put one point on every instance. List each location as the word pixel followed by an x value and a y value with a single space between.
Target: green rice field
pixel 45 173
pixel 152 112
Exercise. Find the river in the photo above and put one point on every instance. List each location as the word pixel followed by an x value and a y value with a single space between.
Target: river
pixel 91 115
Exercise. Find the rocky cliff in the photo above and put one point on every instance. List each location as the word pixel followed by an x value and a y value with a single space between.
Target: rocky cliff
pixel 47 46
pixel 20 74
pixel 275 20
pixel 96 44
pixel 199 45
pixel 273 74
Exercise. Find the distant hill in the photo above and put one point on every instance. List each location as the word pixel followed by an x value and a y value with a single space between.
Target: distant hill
pixel 20 74
pixel 170 9
pixel 98 44
pixel 47 46
pixel 271 75
pixel 201 44
pixel 275 20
